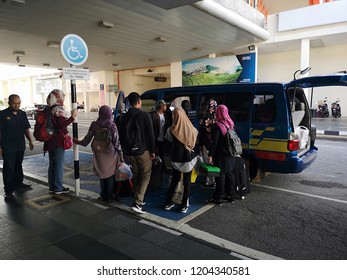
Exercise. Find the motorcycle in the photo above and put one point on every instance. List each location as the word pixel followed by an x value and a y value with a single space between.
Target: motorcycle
pixel 336 109
pixel 323 108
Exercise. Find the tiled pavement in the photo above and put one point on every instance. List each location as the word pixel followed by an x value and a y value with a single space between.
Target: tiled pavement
pixel 34 228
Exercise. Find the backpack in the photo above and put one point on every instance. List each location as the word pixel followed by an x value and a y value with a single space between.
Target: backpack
pixel 233 143
pixel 43 129
pixel 133 144
pixel 102 140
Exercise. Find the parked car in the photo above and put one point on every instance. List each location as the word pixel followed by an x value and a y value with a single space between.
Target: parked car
pixel 31 110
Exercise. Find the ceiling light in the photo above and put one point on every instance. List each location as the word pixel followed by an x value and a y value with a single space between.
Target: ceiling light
pixel 53 44
pixel 196 49
pixel 106 24
pixel 114 64
pixel 149 60
pixel 251 47
pixel 46 64
pixel 110 53
pixel 161 39
pixel 19 53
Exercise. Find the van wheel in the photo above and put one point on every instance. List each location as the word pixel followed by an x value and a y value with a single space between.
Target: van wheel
pixel 253 169
pixel 313 134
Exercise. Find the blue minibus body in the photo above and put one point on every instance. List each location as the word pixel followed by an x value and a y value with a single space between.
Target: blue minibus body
pixel 273 120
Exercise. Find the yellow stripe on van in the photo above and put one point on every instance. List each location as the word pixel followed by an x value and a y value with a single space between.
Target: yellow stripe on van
pixel 257 132
pixel 270 145
pixel 270 128
pixel 254 141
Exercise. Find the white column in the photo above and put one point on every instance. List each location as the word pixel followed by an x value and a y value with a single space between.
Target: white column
pixel 305 59
pixel 176 73
pixel 305 55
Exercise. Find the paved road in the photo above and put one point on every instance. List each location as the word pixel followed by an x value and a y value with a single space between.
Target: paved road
pixel 271 220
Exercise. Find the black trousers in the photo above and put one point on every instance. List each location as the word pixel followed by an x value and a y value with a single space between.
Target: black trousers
pixel 107 188
pixel 225 183
pixel 12 171
pixel 160 150
pixel 176 175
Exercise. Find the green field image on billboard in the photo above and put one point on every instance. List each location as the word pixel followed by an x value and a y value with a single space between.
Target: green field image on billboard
pixel 209 79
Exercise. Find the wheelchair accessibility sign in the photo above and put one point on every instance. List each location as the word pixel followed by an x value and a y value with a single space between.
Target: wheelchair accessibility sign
pixel 74 49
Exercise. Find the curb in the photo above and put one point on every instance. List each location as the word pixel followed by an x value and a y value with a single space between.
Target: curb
pixel 332 132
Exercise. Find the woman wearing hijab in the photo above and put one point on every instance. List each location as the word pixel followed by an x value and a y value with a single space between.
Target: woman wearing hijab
pixel 105 161
pixel 225 182
pixel 183 136
pixel 206 122
pixel 55 146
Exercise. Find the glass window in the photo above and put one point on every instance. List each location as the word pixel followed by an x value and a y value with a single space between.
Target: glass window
pixel 264 108
pixel 238 104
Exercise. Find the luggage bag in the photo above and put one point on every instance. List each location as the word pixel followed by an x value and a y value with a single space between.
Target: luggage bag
pixel 124 189
pixel 209 170
pixel 242 179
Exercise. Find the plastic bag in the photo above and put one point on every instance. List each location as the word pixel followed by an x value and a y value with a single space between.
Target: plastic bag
pixel 303 133
pixel 123 173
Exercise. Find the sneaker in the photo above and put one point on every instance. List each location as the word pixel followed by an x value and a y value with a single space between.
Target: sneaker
pixel 138 208
pixel 184 209
pixel 63 190
pixel 51 192
pixel 8 196
pixel 169 206
pixel 215 201
pixel 209 187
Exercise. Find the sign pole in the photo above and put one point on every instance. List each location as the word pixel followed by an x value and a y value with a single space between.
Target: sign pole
pixel 75 135
pixel 75 51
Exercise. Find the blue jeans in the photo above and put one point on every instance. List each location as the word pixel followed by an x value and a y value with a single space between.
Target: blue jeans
pixel 56 169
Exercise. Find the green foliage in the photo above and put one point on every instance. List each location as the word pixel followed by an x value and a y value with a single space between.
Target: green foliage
pixel 209 79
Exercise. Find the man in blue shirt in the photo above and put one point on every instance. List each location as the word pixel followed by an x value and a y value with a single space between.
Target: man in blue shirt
pixel 14 125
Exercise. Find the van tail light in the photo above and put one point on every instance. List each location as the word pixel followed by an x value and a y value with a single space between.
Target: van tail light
pixel 293 142
pixel 293 145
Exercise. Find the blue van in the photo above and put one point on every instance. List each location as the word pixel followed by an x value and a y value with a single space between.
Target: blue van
pixel 273 120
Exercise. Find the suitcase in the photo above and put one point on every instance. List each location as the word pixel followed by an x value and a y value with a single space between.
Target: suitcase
pixel 242 181
pixel 124 189
pixel 209 170
pixel 156 174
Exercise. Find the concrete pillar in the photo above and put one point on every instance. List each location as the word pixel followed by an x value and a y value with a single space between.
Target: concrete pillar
pixel 305 60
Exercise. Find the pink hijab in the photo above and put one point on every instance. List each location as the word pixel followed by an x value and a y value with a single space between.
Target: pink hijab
pixel 223 119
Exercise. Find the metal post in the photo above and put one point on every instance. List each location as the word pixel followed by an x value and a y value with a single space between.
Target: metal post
pixel 75 135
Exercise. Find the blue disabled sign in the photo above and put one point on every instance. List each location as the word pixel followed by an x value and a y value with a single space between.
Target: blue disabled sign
pixel 74 49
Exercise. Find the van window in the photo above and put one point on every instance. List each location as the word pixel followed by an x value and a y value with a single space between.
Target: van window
pixel 188 104
pixel 264 108
pixel 238 104
pixel 148 105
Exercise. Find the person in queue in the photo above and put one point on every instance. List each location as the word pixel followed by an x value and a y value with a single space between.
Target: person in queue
pixel 55 146
pixel 225 182
pixel 183 136
pixel 160 125
pixel 14 125
pixel 106 160
pixel 141 161
pixel 206 122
